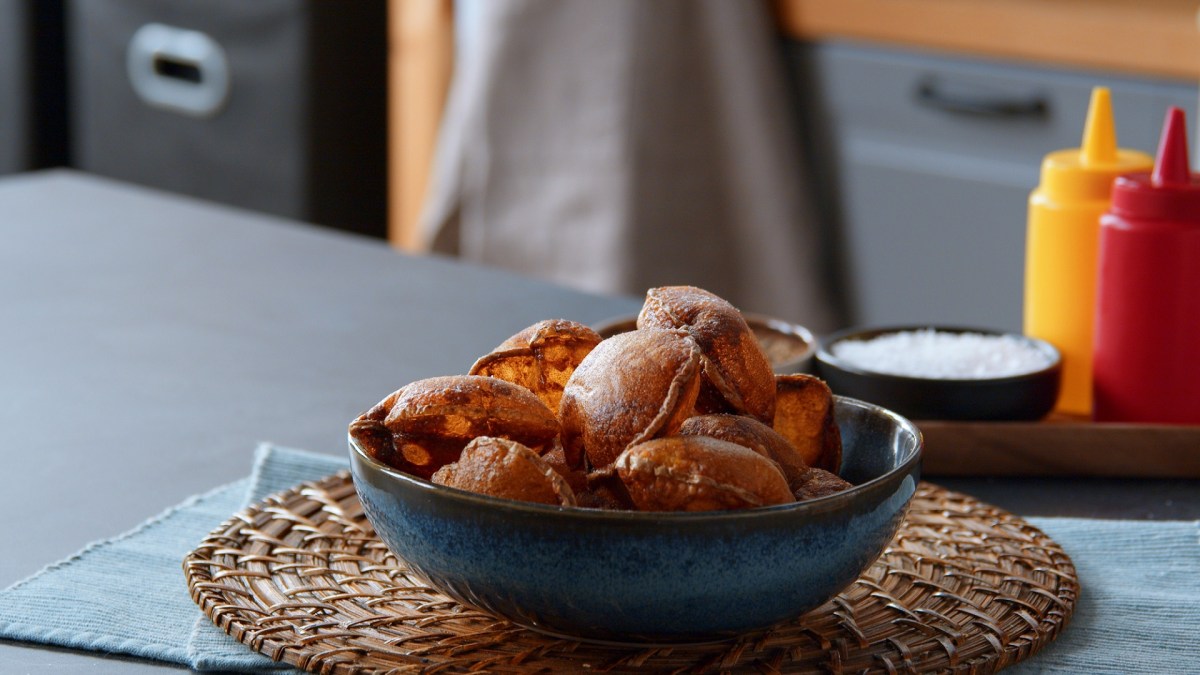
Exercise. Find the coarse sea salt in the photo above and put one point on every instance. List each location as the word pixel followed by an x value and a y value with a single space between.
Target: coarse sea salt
pixel 934 354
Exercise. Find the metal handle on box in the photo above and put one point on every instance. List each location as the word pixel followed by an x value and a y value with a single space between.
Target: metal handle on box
pixel 176 69
pixel 932 94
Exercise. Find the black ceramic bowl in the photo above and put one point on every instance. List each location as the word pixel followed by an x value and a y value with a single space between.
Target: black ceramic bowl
pixel 630 577
pixel 789 347
pixel 1027 396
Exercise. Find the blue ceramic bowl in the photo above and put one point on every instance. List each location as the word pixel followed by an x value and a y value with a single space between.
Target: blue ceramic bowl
pixel 639 577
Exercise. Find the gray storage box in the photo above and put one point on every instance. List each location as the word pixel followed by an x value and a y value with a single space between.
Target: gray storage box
pixel 273 105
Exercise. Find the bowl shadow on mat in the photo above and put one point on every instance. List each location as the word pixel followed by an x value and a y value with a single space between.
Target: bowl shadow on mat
pixel 642 578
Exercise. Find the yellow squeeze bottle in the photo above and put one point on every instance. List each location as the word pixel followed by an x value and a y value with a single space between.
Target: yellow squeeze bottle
pixel 1062 246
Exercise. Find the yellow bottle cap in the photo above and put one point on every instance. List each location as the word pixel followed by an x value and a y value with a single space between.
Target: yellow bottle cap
pixel 1087 172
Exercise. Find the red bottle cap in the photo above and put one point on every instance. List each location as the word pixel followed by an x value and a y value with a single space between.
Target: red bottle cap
pixel 1171 192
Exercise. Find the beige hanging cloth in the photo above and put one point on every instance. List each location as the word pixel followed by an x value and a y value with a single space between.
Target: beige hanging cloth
pixel 621 144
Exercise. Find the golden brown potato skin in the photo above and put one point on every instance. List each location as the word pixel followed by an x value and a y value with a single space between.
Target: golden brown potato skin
pixel 750 433
pixel 540 358
pixel 698 473
pixel 632 387
pixel 737 374
pixel 804 416
pixel 430 421
pixel 502 468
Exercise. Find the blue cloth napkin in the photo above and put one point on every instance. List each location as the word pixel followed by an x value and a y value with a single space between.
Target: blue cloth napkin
pixel 1138 612
pixel 91 601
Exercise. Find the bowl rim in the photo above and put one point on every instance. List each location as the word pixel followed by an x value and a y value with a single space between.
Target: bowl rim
pixel 826 357
pixel 821 505
pixel 810 338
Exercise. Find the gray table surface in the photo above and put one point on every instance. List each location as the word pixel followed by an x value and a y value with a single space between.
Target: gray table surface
pixel 150 341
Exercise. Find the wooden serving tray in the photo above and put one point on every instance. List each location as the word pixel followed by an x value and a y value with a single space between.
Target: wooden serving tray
pixel 1060 446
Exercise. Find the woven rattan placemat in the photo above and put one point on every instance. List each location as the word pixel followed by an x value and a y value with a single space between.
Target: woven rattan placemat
pixel 302 578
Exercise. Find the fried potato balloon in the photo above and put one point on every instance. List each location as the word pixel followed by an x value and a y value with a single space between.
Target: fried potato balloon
pixel 540 358
pixel 502 468
pixel 736 372
pixel 804 416
pixel 431 420
pixel 631 388
pixel 750 433
pixel 698 473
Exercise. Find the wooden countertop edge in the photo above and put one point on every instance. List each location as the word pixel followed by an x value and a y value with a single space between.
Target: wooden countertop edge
pixel 1160 38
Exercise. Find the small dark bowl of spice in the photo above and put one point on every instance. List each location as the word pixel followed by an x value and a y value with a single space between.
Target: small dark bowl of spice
pixel 944 373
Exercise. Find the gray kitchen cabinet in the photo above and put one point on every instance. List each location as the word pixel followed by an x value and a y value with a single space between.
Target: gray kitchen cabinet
pixel 277 106
pixel 924 164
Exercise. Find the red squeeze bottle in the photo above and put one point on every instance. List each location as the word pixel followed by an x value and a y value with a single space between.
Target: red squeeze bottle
pixel 1146 365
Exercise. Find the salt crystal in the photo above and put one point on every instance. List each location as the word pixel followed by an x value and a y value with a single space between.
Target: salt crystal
pixel 936 354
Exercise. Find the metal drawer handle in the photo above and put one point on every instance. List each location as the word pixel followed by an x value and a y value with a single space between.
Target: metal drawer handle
pixel 179 69
pixel 930 95
pixel 175 69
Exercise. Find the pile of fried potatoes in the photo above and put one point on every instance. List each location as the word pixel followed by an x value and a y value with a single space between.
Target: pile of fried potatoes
pixel 682 414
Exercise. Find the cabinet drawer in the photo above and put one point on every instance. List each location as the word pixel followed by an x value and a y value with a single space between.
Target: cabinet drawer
pixel 275 106
pixel 924 165
pixel 1002 111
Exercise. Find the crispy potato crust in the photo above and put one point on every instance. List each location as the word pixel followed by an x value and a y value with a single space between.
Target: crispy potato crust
pixel 698 473
pixel 430 421
pixel 632 387
pixel 750 433
pixel 540 358
pixel 737 374
pixel 502 468
pixel 804 416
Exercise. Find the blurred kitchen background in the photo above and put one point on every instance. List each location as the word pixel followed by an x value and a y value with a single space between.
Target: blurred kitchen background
pixel 830 162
